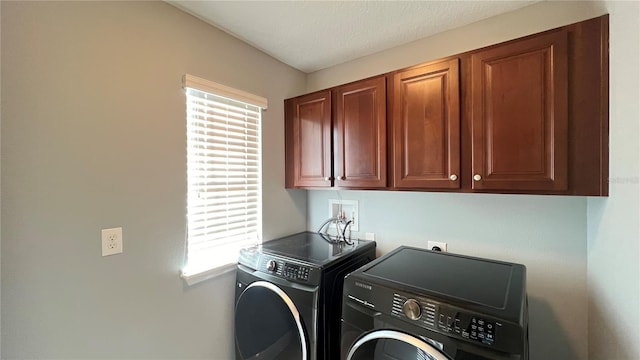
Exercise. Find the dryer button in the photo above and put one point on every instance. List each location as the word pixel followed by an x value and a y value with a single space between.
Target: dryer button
pixel 411 308
pixel 272 265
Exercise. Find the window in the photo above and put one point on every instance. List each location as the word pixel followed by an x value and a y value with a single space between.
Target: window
pixel 223 176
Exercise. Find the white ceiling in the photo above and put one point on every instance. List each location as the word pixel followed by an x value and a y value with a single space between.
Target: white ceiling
pixel 313 35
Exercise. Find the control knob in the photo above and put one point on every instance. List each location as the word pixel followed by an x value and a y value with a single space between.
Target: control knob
pixel 272 265
pixel 411 309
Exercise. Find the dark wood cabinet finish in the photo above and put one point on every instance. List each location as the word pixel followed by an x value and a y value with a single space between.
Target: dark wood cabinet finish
pixel 528 116
pixel 426 127
pixel 308 130
pixel 589 107
pixel 519 115
pixel 584 138
pixel 360 134
pixel 338 137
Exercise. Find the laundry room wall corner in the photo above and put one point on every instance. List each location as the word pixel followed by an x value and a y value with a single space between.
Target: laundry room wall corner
pixel 613 251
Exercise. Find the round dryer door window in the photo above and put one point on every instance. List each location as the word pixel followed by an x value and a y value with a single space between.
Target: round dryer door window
pixel 268 325
pixel 393 345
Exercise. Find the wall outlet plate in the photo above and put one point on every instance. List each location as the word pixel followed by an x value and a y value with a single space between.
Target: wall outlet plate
pixel 111 241
pixel 434 245
pixel 346 208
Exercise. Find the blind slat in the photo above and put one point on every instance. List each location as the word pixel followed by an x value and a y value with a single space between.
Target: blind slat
pixel 224 172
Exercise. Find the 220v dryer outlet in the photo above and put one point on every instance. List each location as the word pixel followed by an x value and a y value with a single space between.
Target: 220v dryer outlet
pixel 111 241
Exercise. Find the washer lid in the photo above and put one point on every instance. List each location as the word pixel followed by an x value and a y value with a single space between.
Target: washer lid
pixel 480 281
pixel 312 248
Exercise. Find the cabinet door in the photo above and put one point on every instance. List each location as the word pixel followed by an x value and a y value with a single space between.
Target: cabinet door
pixel 426 127
pixel 308 140
pixel 360 134
pixel 519 115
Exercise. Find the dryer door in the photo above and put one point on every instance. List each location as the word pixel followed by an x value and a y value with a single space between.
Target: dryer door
pixel 393 345
pixel 268 325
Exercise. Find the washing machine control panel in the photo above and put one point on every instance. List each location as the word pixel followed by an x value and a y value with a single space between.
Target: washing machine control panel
pixel 286 269
pixel 446 319
pixel 295 271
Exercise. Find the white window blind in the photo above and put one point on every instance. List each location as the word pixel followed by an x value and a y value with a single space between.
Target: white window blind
pixel 223 176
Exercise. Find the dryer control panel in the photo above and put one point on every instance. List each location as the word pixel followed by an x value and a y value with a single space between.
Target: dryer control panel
pixel 445 319
pixel 453 321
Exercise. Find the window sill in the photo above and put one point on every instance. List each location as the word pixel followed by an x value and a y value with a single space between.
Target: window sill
pixel 195 278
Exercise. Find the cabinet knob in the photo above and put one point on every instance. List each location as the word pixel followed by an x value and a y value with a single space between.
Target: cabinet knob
pixel 327 178
pixel 453 177
pixel 477 177
pixel 340 178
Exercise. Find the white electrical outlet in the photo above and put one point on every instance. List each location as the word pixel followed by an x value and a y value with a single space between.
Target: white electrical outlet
pixel 435 245
pixel 111 241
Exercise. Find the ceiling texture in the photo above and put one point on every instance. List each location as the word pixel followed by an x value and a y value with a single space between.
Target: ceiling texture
pixel 313 35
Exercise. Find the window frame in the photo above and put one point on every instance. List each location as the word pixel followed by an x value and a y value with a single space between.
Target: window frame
pixel 189 273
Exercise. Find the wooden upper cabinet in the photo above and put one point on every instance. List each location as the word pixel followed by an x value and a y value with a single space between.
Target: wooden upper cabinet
pixel 360 134
pixel 519 116
pixel 426 127
pixel 528 116
pixel 338 137
pixel 308 140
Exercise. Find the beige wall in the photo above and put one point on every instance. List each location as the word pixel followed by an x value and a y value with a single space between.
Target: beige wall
pixel 581 254
pixel 542 16
pixel 93 136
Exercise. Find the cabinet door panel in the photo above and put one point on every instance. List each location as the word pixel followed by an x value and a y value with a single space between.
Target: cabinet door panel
pixel 519 115
pixel 360 135
pixel 308 128
pixel 426 127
